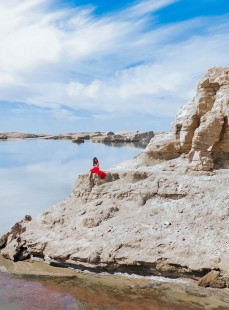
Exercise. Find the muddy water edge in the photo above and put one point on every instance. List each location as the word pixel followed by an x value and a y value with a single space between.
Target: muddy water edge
pixel 35 285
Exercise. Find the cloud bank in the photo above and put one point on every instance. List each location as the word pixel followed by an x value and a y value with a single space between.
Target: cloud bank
pixel 122 63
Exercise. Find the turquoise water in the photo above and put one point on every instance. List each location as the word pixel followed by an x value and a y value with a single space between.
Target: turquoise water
pixel 35 174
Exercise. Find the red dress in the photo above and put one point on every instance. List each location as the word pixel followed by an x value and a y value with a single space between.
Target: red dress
pixel 100 173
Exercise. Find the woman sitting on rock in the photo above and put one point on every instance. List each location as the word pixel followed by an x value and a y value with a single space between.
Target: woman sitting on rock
pixel 96 170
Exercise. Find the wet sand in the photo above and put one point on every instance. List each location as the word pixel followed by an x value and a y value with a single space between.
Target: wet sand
pixel 58 288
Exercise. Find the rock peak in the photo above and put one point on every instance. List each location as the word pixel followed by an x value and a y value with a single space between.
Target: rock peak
pixel 201 127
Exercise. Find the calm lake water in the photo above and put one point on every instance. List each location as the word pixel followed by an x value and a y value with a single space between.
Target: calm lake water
pixel 34 175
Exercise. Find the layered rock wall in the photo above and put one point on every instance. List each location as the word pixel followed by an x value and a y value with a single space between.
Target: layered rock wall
pixel 201 128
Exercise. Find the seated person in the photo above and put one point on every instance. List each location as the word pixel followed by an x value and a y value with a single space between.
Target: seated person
pixel 96 170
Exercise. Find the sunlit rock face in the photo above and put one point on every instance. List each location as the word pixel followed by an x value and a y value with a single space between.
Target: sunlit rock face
pixel 152 215
pixel 201 128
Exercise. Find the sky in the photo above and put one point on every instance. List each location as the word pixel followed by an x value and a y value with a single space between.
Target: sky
pixel 81 65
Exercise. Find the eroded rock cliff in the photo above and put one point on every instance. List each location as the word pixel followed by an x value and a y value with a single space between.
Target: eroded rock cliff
pixel 152 215
pixel 201 129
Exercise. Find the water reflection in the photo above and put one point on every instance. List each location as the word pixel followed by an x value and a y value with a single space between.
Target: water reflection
pixel 16 294
pixel 139 145
pixel 35 174
pixel 87 292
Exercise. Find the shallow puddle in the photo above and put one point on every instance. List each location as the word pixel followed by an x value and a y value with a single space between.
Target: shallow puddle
pixel 28 292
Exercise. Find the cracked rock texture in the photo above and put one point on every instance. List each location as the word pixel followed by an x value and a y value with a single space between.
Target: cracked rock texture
pixel 152 214
pixel 201 129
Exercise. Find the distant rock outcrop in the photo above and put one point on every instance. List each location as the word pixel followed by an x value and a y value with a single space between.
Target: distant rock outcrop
pixel 18 135
pixel 201 129
pixel 79 137
pixel 3 136
pixel 123 137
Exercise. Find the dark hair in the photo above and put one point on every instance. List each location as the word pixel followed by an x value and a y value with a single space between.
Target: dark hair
pixel 95 160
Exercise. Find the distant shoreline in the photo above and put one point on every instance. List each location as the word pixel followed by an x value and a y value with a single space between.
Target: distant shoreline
pixel 80 137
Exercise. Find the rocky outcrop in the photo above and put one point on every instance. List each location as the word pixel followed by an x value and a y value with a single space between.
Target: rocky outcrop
pixel 111 137
pixel 201 129
pixel 157 221
pixel 214 279
pixel 18 251
pixel 80 137
pixel 3 136
pixel 18 135
pixel 151 215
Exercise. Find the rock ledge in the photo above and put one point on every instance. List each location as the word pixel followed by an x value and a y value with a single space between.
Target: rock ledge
pixel 162 213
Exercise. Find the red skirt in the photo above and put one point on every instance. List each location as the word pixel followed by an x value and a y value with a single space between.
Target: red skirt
pixel 101 173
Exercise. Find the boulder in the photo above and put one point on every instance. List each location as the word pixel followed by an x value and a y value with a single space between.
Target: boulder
pixel 212 279
pixel 3 136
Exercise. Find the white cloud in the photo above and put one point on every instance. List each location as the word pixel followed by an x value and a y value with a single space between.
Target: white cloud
pixel 107 64
pixel 146 7
pixel 155 88
pixel 27 40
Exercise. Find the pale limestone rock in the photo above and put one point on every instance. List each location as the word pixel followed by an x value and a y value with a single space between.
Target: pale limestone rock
pixel 163 146
pixel 214 280
pixel 201 127
pixel 204 139
pixel 151 215
pixel 143 220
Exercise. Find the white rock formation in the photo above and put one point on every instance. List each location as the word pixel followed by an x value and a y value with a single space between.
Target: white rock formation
pixel 201 128
pixel 151 215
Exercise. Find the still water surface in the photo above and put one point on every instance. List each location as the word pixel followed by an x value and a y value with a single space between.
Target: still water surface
pixel 34 175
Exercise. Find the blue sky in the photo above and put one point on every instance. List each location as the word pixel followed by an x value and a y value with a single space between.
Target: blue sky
pixel 105 65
